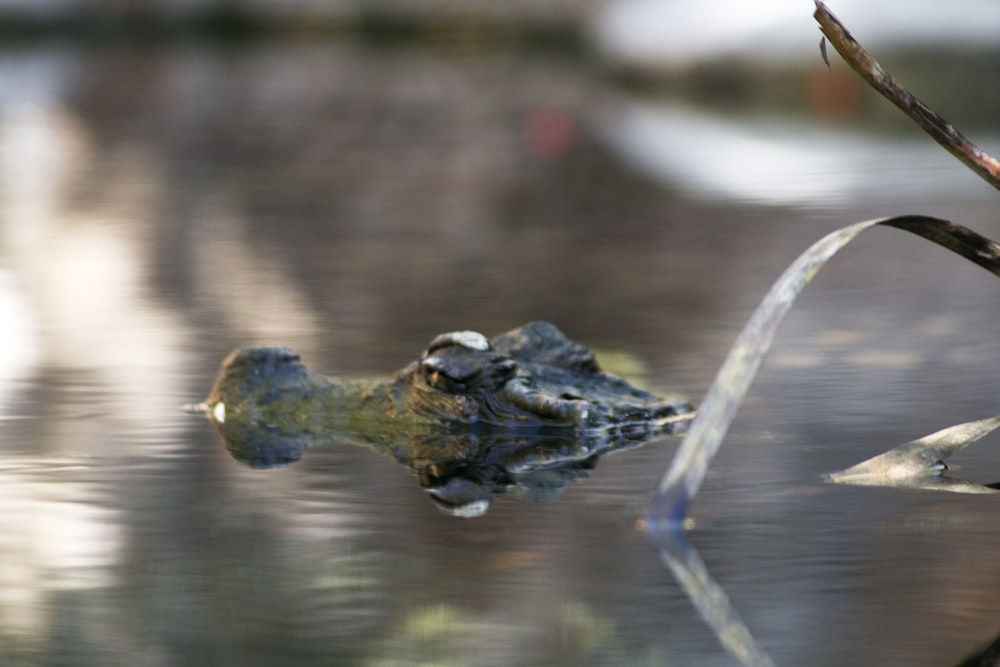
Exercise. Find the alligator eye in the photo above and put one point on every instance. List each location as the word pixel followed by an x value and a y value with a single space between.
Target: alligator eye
pixel 442 382
pixel 449 373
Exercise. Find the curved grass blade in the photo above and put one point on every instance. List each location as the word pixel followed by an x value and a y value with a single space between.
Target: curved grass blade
pixel 687 471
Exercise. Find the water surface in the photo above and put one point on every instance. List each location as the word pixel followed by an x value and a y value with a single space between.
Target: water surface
pixel 162 206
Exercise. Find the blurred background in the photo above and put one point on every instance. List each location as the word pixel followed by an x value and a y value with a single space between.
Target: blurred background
pixel 180 177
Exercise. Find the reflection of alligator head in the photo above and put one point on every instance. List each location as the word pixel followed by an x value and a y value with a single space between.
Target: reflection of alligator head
pixel 472 417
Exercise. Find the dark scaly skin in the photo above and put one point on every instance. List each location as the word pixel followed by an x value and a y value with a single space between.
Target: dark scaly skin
pixel 472 417
pixel 530 377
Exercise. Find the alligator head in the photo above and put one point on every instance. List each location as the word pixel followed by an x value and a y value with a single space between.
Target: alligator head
pixel 530 377
pixel 471 417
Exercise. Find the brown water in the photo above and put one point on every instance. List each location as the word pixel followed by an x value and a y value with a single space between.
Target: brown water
pixel 160 207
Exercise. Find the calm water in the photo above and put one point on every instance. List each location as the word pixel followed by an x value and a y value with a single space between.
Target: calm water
pixel 160 207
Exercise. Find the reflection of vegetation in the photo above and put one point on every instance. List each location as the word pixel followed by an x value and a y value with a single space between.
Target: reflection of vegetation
pixel 252 584
pixel 237 24
pixel 740 87
pixel 431 635
pixel 583 629
pixel 444 634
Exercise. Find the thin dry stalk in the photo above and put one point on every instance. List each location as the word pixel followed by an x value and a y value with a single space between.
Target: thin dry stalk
pixel 932 123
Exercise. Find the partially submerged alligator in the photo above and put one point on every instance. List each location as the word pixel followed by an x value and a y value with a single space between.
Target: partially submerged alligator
pixel 488 413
